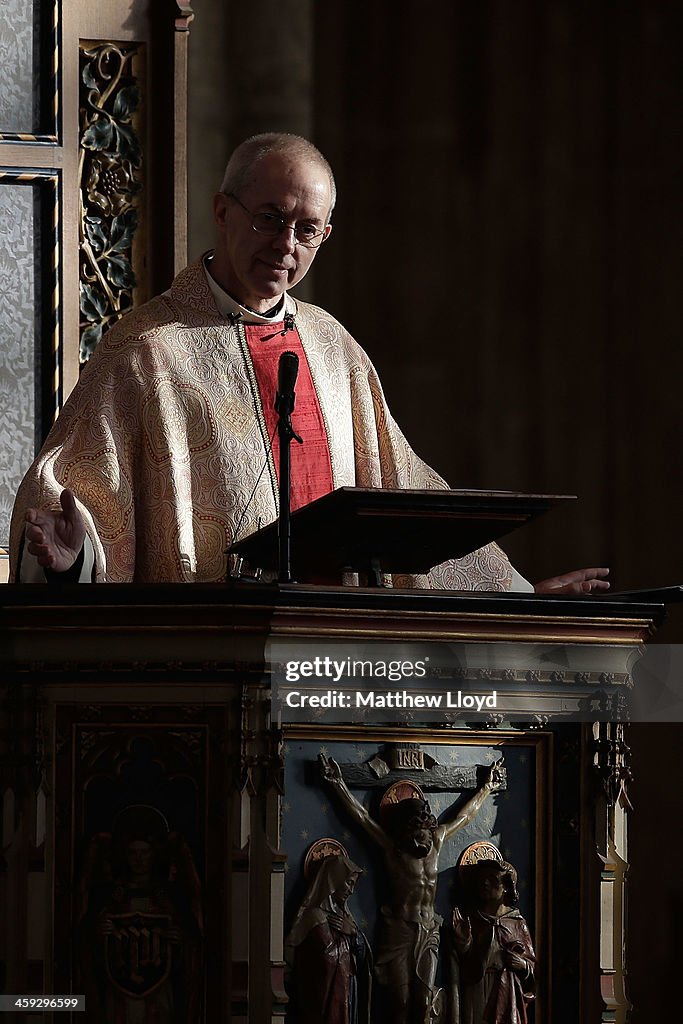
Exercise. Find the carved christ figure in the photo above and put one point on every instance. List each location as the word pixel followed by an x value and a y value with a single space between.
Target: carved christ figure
pixel 412 839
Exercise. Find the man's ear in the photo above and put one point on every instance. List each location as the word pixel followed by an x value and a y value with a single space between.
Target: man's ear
pixel 220 208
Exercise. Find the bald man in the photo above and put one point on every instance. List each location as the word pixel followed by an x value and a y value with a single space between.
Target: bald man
pixel 166 451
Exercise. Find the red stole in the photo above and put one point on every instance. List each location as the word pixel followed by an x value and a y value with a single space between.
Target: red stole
pixel 311 472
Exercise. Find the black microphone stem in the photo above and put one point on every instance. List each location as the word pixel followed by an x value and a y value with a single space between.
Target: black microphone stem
pixel 284 404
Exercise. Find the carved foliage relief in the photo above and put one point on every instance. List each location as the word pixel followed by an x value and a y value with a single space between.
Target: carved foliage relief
pixel 110 183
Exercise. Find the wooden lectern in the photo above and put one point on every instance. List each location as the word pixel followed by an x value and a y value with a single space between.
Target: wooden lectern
pixel 158 699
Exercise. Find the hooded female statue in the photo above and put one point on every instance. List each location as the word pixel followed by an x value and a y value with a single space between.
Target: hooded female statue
pixel 328 956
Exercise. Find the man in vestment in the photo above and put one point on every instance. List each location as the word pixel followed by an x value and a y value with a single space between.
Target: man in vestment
pixel 166 451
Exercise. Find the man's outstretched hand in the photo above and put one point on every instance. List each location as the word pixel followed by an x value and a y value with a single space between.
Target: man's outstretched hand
pixel 56 537
pixel 581 581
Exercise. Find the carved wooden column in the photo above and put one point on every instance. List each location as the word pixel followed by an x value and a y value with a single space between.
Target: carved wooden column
pixel 261 783
pixel 611 760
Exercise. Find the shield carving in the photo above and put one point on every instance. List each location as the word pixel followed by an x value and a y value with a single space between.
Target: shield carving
pixel 138 953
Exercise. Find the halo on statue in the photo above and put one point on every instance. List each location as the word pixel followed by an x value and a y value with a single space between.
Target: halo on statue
pixel 475 852
pixel 140 821
pixel 484 851
pixel 403 789
pixel 320 849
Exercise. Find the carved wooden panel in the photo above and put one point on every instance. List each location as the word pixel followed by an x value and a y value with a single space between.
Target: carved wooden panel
pixel 141 802
pixel 111 177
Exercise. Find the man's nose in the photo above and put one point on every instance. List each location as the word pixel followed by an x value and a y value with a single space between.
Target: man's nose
pixel 285 240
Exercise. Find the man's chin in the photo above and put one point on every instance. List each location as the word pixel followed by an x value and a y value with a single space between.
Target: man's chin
pixel 271 291
pixel 271 279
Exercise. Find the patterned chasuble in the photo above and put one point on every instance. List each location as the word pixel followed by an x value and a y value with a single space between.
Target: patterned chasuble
pixel 311 468
pixel 163 440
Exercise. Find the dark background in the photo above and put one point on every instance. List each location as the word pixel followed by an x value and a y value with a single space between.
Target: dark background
pixel 507 249
pixel 506 244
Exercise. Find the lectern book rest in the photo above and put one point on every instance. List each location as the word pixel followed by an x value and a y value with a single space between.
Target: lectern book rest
pixel 402 531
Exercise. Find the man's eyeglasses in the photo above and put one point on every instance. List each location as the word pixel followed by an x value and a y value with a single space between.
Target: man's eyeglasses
pixel 273 224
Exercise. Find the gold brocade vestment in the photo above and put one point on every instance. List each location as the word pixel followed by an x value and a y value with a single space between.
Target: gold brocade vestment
pixel 163 441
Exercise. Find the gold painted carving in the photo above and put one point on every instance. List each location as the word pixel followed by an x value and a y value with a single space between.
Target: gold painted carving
pixel 110 180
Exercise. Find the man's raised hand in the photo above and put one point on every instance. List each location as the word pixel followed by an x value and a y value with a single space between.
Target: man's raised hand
pixel 55 536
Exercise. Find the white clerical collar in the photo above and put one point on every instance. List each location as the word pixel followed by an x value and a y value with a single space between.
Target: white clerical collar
pixel 230 307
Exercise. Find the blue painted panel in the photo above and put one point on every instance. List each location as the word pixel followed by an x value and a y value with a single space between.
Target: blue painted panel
pixel 311 810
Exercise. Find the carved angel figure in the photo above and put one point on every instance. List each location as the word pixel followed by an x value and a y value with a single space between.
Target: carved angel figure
pixel 140 924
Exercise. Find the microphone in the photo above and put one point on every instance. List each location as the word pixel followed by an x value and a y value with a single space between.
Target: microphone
pixel 287 372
